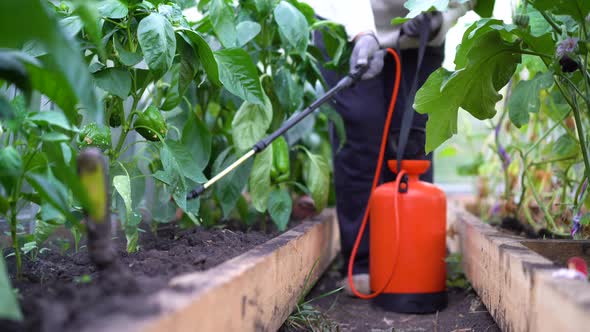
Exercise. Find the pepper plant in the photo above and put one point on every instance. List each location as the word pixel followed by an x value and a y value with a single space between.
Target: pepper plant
pixel 277 34
pixel 540 138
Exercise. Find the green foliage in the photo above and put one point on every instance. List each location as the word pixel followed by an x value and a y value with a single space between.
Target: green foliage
pixel 539 140
pixel 525 98
pixel 250 123
pixel 293 27
pixel 473 86
pixel 260 180
pixel 483 8
pixel 238 74
pixel 9 308
pixel 317 179
pixel 155 35
pixel 455 275
pixel 63 62
pixel 170 103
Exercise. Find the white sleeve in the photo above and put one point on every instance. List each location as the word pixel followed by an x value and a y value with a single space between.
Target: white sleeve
pixel 450 17
pixel 355 15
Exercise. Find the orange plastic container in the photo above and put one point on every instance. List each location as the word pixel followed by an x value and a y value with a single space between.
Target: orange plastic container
pixel 416 246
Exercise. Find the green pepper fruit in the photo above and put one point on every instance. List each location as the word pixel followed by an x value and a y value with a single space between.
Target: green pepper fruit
pixel 94 135
pixel 115 105
pixel 149 122
pixel 281 166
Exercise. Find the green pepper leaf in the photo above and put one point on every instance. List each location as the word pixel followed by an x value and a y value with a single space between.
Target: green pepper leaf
pixel 525 98
pixel 264 7
pixel 112 9
pixel 247 30
pixel 293 27
pixel 9 308
pixel 173 94
pixel 123 186
pixel 52 191
pixel 117 81
pixel 204 51
pixel 222 17
pixel 11 163
pixel 89 15
pixel 289 92
pixel 189 65
pixel 260 181
pixel 127 57
pixel 239 75
pixel 156 38
pixel 317 179
pixel 279 208
pixel 250 124
pixel 65 57
pixel 188 163
pixel 71 25
pixel 197 139
pixel 229 189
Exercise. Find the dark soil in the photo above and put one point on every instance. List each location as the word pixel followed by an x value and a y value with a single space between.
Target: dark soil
pixel 62 293
pixel 517 227
pixel 465 312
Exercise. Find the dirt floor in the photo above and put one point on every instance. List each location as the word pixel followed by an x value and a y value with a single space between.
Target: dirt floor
pixel 464 313
pixel 62 293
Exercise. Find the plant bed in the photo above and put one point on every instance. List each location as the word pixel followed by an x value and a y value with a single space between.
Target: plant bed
pixel 339 312
pixel 514 276
pixel 180 281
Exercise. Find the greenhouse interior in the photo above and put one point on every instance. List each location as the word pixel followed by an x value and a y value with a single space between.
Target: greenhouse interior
pixel 294 165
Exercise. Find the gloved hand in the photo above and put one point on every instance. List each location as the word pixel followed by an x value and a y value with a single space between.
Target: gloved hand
pixel 367 51
pixel 411 28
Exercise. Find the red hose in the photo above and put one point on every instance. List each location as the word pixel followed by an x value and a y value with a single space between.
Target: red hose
pixel 375 182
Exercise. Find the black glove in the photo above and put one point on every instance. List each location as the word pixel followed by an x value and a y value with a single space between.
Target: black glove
pixel 367 51
pixel 411 28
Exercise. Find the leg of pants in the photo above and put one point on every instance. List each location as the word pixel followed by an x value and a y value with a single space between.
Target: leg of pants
pixel 363 108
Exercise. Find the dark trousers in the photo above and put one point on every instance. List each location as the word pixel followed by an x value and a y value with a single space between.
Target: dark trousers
pixel 363 108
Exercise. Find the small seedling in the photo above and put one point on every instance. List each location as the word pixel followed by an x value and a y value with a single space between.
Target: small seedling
pixel 83 279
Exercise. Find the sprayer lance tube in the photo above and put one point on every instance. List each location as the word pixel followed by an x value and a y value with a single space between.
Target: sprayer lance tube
pixel 344 83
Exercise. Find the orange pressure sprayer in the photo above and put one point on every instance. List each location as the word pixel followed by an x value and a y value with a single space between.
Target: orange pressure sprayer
pixel 407 238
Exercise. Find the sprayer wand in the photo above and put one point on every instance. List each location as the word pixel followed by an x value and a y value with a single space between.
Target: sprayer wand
pixel 344 83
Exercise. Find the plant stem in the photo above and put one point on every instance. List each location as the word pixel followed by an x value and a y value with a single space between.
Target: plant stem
pixel 522 182
pixel 573 85
pixel 542 55
pixel 532 147
pixel 15 243
pixel 548 216
pixel 549 20
pixel 581 135
pixel 543 162
pixel 127 126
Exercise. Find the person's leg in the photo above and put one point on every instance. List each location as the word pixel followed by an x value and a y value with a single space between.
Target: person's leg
pixel 363 112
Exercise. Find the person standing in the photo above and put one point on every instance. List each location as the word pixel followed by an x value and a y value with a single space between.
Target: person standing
pixel 363 107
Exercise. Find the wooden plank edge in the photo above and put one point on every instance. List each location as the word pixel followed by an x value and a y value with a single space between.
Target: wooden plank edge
pixel 256 291
pixel 514 282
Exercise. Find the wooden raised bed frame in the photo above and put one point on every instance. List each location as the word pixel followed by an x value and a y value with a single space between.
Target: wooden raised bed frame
pixel 514 278
pixel 256 291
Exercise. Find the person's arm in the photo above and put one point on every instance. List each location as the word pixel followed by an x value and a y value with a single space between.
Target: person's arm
pixel 440 26
pixel 449 18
